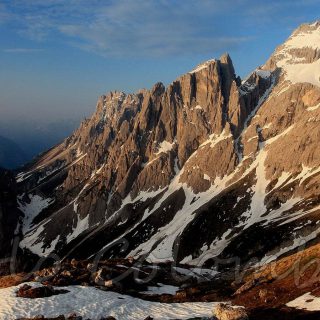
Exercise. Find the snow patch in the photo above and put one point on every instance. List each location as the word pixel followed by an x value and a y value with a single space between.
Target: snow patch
pixel 202 66
pixel 165 146
pixel 215 139
pixel 23 176
pixel 263 73
pixel 90 302
pixel 32 209
pixel 313 108
pixel 161 289
pixel 81 225
pixel 296 243
pixel 296 71
pixel 34 244
pixel 302 72
pixel 307 39
pixel 199 273
pixel 306 302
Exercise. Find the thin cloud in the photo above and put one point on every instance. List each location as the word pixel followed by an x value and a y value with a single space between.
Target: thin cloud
pixel 4 15
pixel 21 50
pixel 153 28
pixel 126 28
pixel 145 27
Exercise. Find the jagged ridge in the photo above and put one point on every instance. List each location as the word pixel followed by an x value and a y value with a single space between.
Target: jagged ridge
pixel 203 157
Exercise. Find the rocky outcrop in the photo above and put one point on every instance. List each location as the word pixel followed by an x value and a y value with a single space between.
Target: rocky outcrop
pixel 27 291
pixel 209 168
pixel 224 311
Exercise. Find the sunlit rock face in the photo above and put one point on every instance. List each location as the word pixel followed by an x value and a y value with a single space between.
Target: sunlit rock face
pixel 210 166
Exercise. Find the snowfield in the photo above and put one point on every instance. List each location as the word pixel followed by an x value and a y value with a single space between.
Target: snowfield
pixel 32 209
pixel 90 302
pixel 296 69
pixel 306 302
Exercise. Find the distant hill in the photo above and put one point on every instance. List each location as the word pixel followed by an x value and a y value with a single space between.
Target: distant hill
pixel 11 155
pixel 34 137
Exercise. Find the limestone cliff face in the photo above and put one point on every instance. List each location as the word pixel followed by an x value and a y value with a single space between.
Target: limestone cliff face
pixel 210 166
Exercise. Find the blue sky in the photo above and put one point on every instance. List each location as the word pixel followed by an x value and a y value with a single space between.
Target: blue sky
pixel 58 56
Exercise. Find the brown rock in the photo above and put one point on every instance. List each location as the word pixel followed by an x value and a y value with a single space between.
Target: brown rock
pixel 228 312
pixel 26 291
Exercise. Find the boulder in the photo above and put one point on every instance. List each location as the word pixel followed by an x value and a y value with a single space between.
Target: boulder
pixel 224 311
pixel 26 291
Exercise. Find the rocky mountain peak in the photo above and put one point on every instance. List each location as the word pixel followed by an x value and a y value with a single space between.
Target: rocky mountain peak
pixel 299 56
pixel 306 28
pixel 227 63
pixel 203 65
pixel 209 155
pixel 158 89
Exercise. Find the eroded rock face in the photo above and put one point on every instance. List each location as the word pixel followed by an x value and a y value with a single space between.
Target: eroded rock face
pixel 210 166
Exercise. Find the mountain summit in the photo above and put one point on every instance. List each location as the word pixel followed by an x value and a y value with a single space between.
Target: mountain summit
pixel 209 167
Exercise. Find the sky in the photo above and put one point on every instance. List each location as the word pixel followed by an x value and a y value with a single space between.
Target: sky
pixel 58 56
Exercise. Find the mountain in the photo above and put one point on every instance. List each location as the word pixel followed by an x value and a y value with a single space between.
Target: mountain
pixel 209 170
pixel 9 215
pixel 11 155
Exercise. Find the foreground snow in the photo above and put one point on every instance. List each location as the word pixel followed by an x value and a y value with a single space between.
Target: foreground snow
pixel 307 302
pixel 93 303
